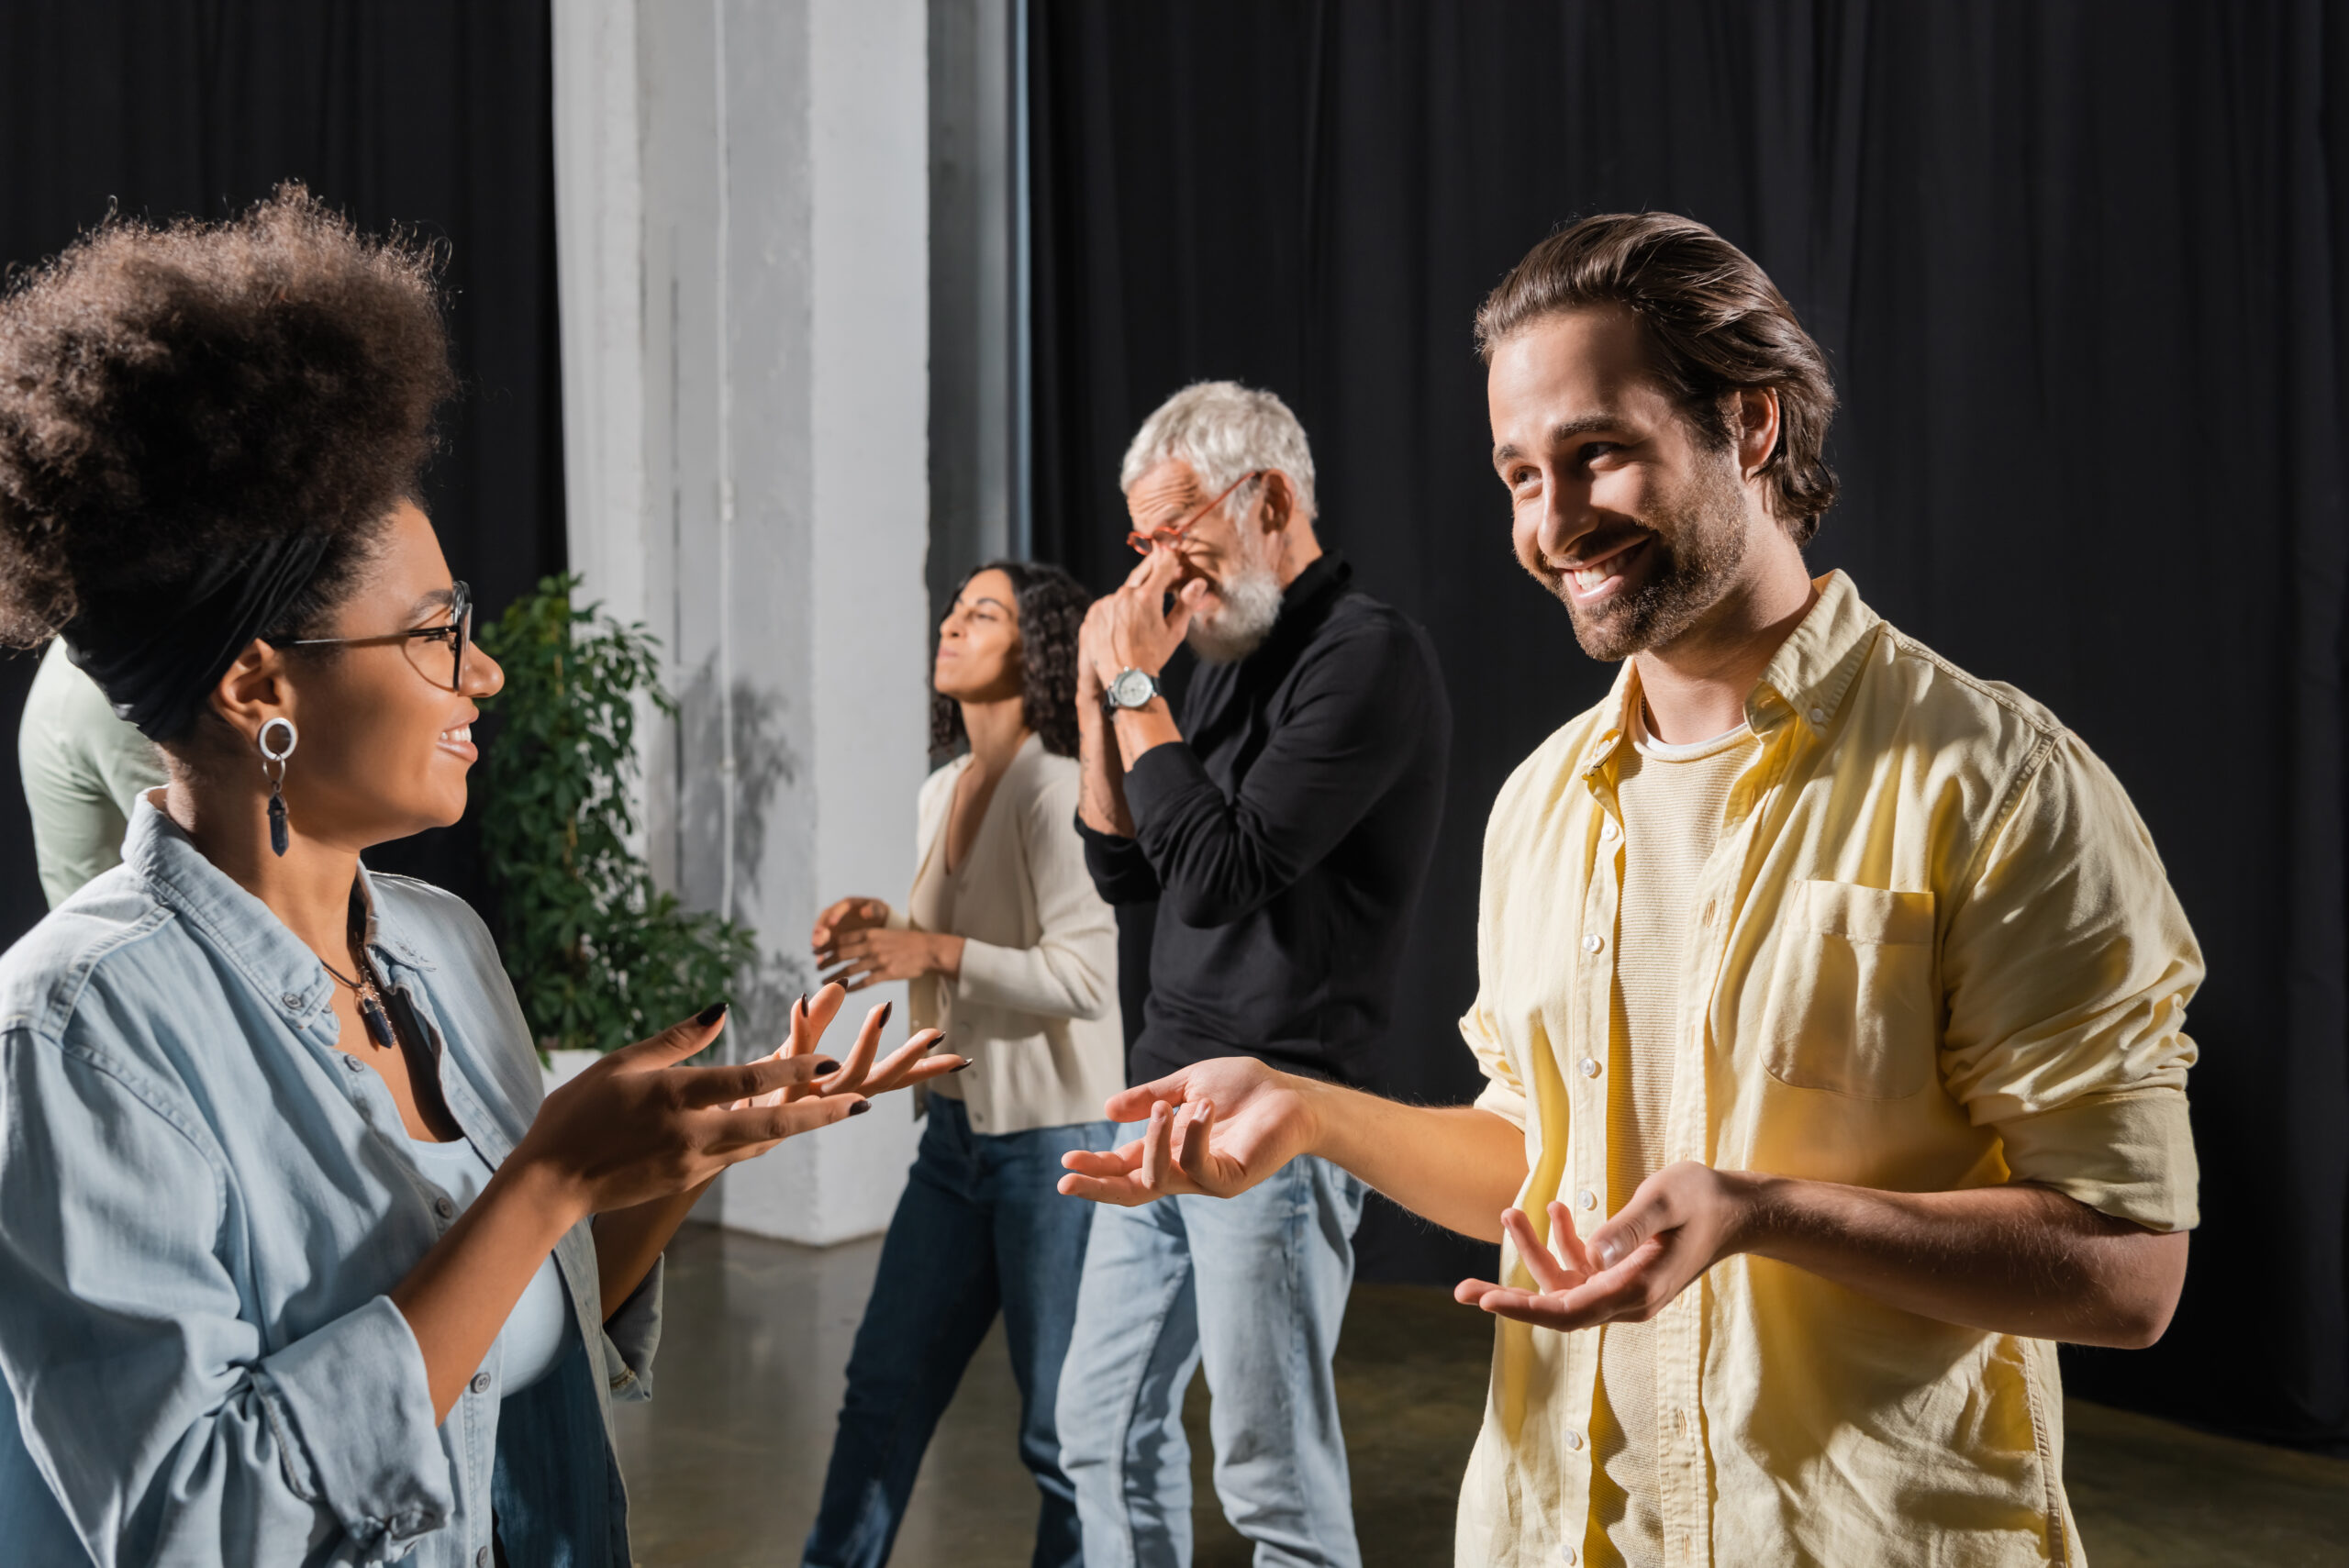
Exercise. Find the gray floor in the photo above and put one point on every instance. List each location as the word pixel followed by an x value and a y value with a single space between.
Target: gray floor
pixel 725 1466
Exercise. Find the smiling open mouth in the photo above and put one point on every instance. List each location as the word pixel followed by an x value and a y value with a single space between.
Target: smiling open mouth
pixel 463 734
pixel 1596 579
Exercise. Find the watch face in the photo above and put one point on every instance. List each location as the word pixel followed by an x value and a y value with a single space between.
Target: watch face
pixel 1133 689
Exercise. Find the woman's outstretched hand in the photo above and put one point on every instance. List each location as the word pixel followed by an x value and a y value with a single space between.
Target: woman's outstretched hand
pixel 637 1126
pixel 910 1064
pixel 1217 1127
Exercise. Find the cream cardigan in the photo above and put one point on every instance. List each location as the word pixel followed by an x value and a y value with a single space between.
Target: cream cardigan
pixel 1036 1006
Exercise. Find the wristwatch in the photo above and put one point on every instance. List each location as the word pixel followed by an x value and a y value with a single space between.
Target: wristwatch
pixel 1131 688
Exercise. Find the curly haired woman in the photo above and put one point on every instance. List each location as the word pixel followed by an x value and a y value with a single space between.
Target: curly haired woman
pixel 1013 954
pixel 294 1266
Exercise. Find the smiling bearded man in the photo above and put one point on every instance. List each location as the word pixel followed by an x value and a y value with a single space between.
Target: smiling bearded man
pixel 1813 974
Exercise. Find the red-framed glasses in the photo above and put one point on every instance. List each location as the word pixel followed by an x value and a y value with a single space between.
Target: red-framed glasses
pixel 1172 533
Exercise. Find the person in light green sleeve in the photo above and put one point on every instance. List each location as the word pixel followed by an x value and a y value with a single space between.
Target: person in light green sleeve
pixel 84 769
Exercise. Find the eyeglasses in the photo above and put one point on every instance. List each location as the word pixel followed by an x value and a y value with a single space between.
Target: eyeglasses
pixel 458 634
pixel 1173 533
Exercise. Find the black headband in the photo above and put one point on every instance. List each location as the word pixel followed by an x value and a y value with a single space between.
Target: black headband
pixel 157 655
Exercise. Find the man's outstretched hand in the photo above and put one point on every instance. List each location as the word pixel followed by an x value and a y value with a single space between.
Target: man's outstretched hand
pixel 1218 1128
pixel 1680 1222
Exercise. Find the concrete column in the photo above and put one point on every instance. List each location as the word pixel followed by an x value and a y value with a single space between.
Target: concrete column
pixel 766 300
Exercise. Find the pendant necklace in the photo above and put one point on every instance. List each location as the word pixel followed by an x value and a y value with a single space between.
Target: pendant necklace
pixel 371 1002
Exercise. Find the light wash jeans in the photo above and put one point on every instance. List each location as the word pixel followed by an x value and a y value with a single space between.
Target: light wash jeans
pixel 1256 1285
pixel 979 1230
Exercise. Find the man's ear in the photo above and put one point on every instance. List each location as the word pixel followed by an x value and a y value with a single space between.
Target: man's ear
pixel 1755 425
pixel 1277 499
pixel 254 689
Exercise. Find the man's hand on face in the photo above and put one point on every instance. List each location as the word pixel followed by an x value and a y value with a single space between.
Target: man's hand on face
pixel 1133 628
pixel 1680 1222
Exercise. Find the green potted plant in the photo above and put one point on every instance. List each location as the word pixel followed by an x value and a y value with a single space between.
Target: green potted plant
pixel 598 955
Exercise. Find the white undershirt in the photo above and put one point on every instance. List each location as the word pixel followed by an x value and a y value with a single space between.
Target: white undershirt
pixel 534 1332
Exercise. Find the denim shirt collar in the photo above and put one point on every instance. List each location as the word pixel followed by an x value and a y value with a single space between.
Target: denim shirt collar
pixel 241 927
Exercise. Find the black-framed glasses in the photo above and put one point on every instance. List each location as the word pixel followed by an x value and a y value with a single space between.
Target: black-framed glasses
pixel 458 634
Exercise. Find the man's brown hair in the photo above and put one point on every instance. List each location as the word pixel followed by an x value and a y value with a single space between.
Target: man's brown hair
pixel 1715 325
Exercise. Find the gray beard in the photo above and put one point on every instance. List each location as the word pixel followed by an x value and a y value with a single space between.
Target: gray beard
pixel 1251 604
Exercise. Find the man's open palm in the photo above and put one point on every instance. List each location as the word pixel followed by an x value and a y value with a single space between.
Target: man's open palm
pixel 1678 1223
pixel 1216 1127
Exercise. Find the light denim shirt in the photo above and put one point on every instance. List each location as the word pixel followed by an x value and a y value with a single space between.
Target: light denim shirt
pixel 204 1206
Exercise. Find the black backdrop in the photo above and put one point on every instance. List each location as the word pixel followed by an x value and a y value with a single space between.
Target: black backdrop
pixel 2078 269
pixel 432 115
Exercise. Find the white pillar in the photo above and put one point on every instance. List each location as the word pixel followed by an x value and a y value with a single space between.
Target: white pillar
pixel 599 265
pixel 766 300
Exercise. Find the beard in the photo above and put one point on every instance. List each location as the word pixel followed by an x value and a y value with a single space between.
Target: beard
pixel 1248 603
pixel 1698 544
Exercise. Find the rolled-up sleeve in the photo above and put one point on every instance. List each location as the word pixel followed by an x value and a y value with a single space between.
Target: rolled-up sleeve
pixel 1504 1091
pixel 632 1337
pixel 2067 969
pixel 169 1431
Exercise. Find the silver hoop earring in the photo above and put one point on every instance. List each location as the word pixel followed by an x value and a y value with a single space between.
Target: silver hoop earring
pixel 273 768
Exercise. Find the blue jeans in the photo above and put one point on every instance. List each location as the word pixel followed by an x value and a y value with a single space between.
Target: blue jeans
pixel 1256 1286
pixel 981 1227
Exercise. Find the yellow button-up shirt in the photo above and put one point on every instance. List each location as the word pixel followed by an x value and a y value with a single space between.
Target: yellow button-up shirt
pixel 1934 949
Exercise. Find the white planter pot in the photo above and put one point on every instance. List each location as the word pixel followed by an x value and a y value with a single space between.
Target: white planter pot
pixel 567 1065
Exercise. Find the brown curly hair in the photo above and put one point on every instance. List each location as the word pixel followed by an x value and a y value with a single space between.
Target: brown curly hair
pixel 1051 607
pixel 172 390
pixel 1715 324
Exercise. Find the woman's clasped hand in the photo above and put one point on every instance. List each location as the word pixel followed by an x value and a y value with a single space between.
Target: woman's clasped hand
pixel 855 945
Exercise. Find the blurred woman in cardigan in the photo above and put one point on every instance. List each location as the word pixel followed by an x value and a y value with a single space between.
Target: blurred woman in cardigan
pixel 1011 953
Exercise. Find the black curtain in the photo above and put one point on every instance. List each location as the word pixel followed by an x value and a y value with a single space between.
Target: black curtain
pixel 433 116
pixel 2078 270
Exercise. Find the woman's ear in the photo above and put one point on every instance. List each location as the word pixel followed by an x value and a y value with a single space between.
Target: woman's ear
pixel 254 690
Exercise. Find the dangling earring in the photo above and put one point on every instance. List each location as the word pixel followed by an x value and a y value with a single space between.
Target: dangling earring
pixel 273 768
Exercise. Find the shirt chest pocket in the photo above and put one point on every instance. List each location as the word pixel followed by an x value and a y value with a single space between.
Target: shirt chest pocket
pixel 1852 1005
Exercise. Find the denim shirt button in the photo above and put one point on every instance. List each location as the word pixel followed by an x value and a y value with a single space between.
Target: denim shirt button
pixel 481 1383
pixel 480 1558
pixel 353 1064
pixel 443 1207
pixel 293 1000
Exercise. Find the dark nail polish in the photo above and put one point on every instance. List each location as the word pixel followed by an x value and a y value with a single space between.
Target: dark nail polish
pixel 860 1107
pixel 802 1011
pixel 710 1014
pixel 886 1008
pixel 964 1068
pixel 824 1065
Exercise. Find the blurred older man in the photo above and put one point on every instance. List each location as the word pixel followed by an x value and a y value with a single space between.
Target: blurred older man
pixel 1283 825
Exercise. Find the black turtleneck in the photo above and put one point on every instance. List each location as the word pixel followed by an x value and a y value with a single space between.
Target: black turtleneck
pixel 1285 837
